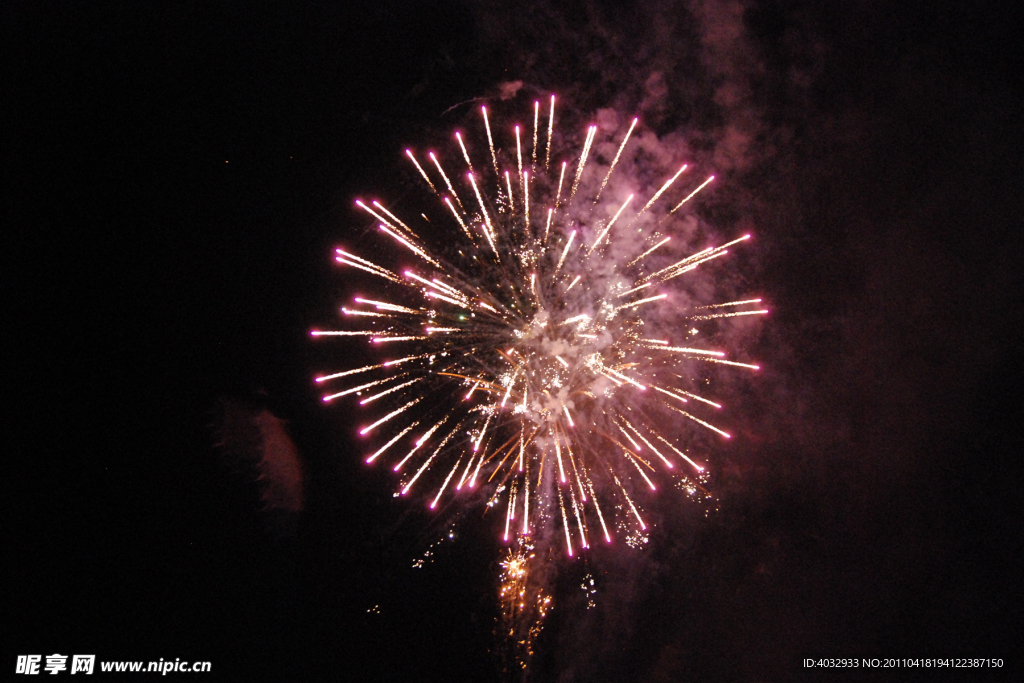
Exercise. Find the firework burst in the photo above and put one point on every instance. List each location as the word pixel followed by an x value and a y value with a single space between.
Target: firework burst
pixel 539 343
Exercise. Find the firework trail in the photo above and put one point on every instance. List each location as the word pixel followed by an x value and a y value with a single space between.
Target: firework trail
pixel 536 343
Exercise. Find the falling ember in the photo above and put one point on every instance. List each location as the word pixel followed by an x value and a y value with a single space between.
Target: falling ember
pixel 548 345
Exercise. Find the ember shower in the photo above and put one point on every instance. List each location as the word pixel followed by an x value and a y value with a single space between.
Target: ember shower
pixel 542 339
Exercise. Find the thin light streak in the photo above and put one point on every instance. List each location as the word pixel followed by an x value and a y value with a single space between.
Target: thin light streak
pixel 583 161
pixel 658 194
pixel 691 195
pixel 420 169
pixel 615 161
pixel 608 227
pixel 447 182
pixel 366 430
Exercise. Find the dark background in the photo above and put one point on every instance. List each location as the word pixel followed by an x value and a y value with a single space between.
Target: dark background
pixel 175 179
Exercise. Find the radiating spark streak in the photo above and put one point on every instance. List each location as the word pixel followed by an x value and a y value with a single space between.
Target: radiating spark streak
pixel 445 286
pixel 565 252
pixel 558 457
pixel 551 125
pixel 582 317
pixel 699 398
pixel 522 446
pixel 519 153
pixel 366 430
pixel 608 227
pixel 445 484
pixel 365 368
pixel 729 303
pixel 642 474
pixel 400 361
pixel 476 445
pixel 370 267
pixel 682 455
pixel 485 306
pixel 669 393
pixel 628 437
pixel 691 195
pixel 412 247
pixel 566 409
pixel 583 160
pixel 617 381
pixel 428 461
pixel 366 314
pixel 593 496
pixel 508 185
pixel 442 297
pixel 658 194
pixel 688 268
pixel 579 483
pixel 489 230
pixel 536 122
pixel 341 333
pixel 395 219
pixel 465 154
pixel 508 448
pixel 458 218
pixel 508 515
pixel 700 421
pixel 647 253
pixel 383 340
pixel 658 342
pixel 561 177
pixel 385 306
pixel 547 226
pixel 634 304
pixel 579 520
pixel 526 501
pixel 479 464
pixel 420 169
pixel 626 379
pixel 649 445
pixel 390 443
pixel 616 159
pixel 440 286
pixel 699 352
pixel 490 141
pixel 388 391
pixel 444 330
pixel 572 284
pixel 732 362
pixel 526 201
pixel 533 283
pixel 419 442
pixel 726 315
pixel 508 391
pixel 562 361
pixel 465 475
pixel 376 215
pixel 446 179
pixel 565 523
pixel 695 258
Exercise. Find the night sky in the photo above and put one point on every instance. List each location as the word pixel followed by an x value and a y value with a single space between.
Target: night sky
pixel 176 177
